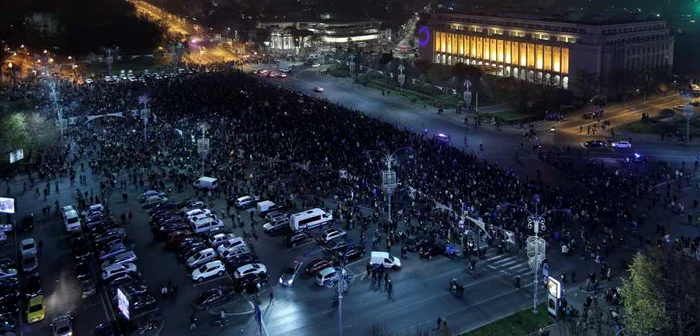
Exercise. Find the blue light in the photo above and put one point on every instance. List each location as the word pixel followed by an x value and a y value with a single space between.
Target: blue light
pixel 636 155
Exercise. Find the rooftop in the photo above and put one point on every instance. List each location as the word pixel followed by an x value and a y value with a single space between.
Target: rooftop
pixel 576 17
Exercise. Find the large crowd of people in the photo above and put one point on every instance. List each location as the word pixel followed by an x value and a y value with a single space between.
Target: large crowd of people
pixel 309 148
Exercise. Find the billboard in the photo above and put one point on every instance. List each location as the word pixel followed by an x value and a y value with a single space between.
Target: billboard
pixel 123 302
pixel 7 205
pixel 16 155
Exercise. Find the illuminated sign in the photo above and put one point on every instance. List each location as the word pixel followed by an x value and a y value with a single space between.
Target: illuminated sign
pixel 123 303
pixel 16 155
pixel 7 205
pixel 423 36
pixel 554 288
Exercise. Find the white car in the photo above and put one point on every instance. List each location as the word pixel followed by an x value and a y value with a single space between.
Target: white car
pixel 254 268
pixel 88 81
pixel 197 212
pixel 212 268
pixel 220 238
pixel 282 75
pixel 62 325
pixel 27 246
pixel 118 269
pixel 246 202
pixel 283 70
pixel 315 65
pixel 228 254
pixel 318 89
pixel 621 144
pixel 230 244
pixel 108 79
pixel 331 234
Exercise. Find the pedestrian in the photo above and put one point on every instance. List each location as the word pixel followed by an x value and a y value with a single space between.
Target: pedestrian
pixel 517 281
pixel 193 322
pixel 164 292
pixel 40 246
pixel 130 216
pixel 272 296
pixel 573 276
pixel 439 322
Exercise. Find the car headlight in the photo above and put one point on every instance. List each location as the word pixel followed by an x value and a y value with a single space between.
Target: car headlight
pixel 290 282
pixel 281 281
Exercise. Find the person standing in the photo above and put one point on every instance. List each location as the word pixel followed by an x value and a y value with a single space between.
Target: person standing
pixel 193 322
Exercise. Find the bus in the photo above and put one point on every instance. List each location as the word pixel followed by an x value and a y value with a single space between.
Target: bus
pixel 309 219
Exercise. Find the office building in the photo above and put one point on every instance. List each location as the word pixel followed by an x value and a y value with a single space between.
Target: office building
pixel 543 50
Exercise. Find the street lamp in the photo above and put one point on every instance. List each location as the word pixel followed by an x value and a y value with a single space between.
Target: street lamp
pixel 351 63
pixel 203 144
pixel 402 77
pixel 688 114
pixel 389 182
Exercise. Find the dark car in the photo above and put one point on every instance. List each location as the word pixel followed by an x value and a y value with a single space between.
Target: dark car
pixel 32 286
pixel 168 205
pixel 415 244
pixel 9 308
pixel 82 271
pixel 182 256
pixel 12 281
pixel 121 279
pixel 334 246
pixel 133 288
pixel 432 249
pixel 111 241
pixel 351 253
pixel 182 243
pixel 142 303
pixel 26 224
pixel 88 288
pixel 162 232
pixel 109 234
pixel 295 239
pixel 82 251
pixel 8 262
pixel 212 297
pixel 7 325
pixel 317 264
pixel 250 282
pixel 667 112
pixel 9 294
pixel 241 260
pixel 595 144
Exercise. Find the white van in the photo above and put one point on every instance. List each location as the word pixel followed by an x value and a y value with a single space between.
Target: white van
pixel 309 219
pixel 384 259
pixel 206 224
pixel 205 182
pixel 71 220
pixel 264 206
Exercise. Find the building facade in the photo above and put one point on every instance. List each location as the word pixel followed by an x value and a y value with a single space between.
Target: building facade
pixel 330 32
pixel 545 50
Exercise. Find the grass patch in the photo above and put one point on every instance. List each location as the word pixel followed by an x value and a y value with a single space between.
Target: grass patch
pixel 518 324
pixel 510 117
pixel 656 126
pixel 445 101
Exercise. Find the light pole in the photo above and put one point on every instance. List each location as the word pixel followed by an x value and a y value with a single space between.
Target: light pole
pixel 342 287
pixel 389 182
pixel 351 64
pixel 402 77
pixel 143 99
pixel 109 60
pixel 688 114
pixel 203 144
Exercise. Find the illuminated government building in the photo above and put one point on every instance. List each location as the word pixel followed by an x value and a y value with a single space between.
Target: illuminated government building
pixel 545 50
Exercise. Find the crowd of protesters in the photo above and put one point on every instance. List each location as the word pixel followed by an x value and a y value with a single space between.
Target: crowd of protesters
pixel 311 149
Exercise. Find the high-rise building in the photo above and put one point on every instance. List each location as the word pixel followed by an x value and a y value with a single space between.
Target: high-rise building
pixel 543 50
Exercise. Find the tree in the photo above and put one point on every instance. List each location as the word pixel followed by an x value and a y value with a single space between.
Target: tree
pixel 662 294
pixel 586 83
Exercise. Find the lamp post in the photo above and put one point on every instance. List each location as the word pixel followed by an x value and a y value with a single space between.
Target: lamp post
pixel 688 114
pixel 109 60
pixel 389 182
pixel 342 287
pixel 402 77
pixel 351 63
pixel 203 144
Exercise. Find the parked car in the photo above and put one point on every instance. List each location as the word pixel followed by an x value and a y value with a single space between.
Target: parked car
pixel 317 264
pixel 142 304
pixel 415 244
pixel 36 309
pixel 113 250
pixel 82 271
pixel 594 144
pixel 32 286
pixel 88 288
pixel 213 297
pixel 210 269
pixel 255 268
pixel 30 263
pixel 351 253
pixel 330 234
pixel 246 202
pixel 295 239
pixel 248 281
pixel 27 246
pixel 666 112
pixel 62 325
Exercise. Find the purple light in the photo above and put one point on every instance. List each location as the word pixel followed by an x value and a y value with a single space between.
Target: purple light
pixel 423 36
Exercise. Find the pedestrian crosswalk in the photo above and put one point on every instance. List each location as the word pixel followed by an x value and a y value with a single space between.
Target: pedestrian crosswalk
pixel 508 265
